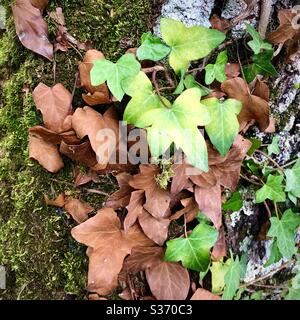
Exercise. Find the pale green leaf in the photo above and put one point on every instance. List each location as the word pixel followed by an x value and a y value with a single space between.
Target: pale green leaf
pixel 235 203
pixel 273 190
pixel 217 70
pixel 193 251
pixel 273 147
pixel 258 43
pixel 232 279
pixel 188 43
pixel 114 73
pixel 293 179
pixel 224 125
pixel 218 271
pixel 275 254
pixel 190 82
pixel 152 48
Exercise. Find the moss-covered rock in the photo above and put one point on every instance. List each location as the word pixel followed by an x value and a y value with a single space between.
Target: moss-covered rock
pixel 41 258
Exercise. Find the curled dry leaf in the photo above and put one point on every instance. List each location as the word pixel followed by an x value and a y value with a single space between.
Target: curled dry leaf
pixel 202 294
pixel 219 249
pixel 57 202
pixel 157 199
pixel 31 28
pixel 108 246
pixel 82 178
pixel 45 153
pixel 190 209
pixel 121 198
pixel 40 4
pixel 45 134
pixel 98 97
pixel 134 208
pixel 58 16
pixel 168 281
pixel 288 19
pixel 219 23
pixel 254 107
pixel 54 104
pixel 78 209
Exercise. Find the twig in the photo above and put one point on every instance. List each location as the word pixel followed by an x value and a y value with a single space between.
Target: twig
pixel 152 69
pixel 250 180
pixel 270 159
pixel 185 232
pixel 74 87
pixel 276 53
pixel 96 191
pixel 54 68
pixel 265 12
pixel 268 209
pixel 289 163
pixel 244 14
pixel 276 209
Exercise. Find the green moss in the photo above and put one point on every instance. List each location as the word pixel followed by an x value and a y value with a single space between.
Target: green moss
pixel 41 258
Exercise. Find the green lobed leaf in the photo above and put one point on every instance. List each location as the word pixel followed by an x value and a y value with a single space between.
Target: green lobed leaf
pixel 235 203
pixel 232 279
pixel 273 147
pixel 258 43
pixel 193 251
pixel 275 254
pixel 224 125
pixel 218 271
pixel 293 180
pixel 178 123
pixel 273 190
pixel 114 73
pixel 284 230
pixel 190 82
pixel 256 143
pixel 188 43
pixel 152 48
pixel 217 70
pixel 180 86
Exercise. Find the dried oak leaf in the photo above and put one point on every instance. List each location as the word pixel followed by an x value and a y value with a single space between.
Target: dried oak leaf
pixel 219 23
pixel 108 246
pixel 209 202
pixel 157 199
pixel 219 249
pixel 121 198
pixel 227 169
pixel 45 153
pixel 288 19
pixel 78 209
pixel 54 104
pixel 168 281
pixel 57 202
pixel 202 294
pixel 254 107
pixel 31 28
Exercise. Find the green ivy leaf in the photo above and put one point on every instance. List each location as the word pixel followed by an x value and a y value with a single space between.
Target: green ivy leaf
pixel 232 279
pixel 114 73
pixel 273 147
pixel 293 179
pixel 218 271
pixel 152 48
pixel 180 86
pixel 178 124
pixel 193 251
pixel 188 43
pixel 284 230
pixel 190 82
pixel 224 125
pixel 272 190
pixel 256 143
pixel 254 167
pixel 294 294
pixel 261 65
pixel 235 203
pixel 258 43
pixel 275 254
pixel 217 70
pixel 143 99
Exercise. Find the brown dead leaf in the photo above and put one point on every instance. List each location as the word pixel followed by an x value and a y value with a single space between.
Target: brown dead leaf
pixel 45 153
pixel 57 202
pixel 108 246
pixel 82 178
pixel 45 134
pixel 190 209
pixel 98 97
pixel 254 107
pixel 272 126
pixel 168 281
pixel 261 90
pixel 134 208
pixel 85 68
pixel 78 209
pixel 155 229
pixel 121 198
pixel 288 19
pixel 31 28
pixel 142 258
pixel 157 199
pixel 232 70
pixel 40 4
pixel 219 23
pixel 180 180
pixel 209 202
pixel 58 16
pixel 219 250
pixel 202 294
pixel 54 104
